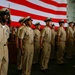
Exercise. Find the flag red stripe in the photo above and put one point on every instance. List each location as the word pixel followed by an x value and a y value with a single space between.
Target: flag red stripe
pixel 34 6
pixel 16 24
pixel 55 3
pixel 24 14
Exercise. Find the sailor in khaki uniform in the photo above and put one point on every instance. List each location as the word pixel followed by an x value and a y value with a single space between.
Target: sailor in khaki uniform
pixel 70 38
pixel 37 35
pixel 74 40
pixel 19 56
pixel 53 52
pixel 61 43
pixel 46 44
pixel 27 46
pixel 4 35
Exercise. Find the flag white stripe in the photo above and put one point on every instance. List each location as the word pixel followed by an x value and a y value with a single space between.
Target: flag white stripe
pixel 61 1
pixel 49 6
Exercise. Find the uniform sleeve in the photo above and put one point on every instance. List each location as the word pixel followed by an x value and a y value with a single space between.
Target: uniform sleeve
pixel 22 33
pixel 67 30
pixel 59 32
pixel 43 32
pixel 67 33
pixel 18 32
pixel 34 32
pixel 8 32
pixel 52 34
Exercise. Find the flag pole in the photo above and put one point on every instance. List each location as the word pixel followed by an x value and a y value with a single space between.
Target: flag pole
pixel 10 13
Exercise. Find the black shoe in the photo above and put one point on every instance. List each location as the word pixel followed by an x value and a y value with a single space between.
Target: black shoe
pixel 43 70
pixel 61 63
pixel 47 69
pixel 19 70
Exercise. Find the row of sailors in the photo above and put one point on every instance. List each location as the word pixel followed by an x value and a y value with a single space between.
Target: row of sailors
pixel 30 49
pixel 35 45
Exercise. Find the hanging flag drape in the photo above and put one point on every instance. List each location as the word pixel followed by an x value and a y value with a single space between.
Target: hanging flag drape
pixel 37 9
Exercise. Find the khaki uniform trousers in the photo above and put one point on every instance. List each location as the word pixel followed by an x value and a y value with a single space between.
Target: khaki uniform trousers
pixel 19 59
pixel 3 60
pixel 74 48
pixel 69 51
pixel 45 55
pixel 60 52
pixel 27 58
pixel 53 52
pixel 36 57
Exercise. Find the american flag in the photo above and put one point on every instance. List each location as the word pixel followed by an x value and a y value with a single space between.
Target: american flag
pixel 39 10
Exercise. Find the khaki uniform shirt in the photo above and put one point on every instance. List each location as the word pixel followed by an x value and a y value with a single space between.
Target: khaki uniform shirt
pixel 4 34
pixel 62 34
pixel 70 32
pixel 53 34
pixel 27 35
pixel 74 31
pixel 37 35
pixel 46 34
